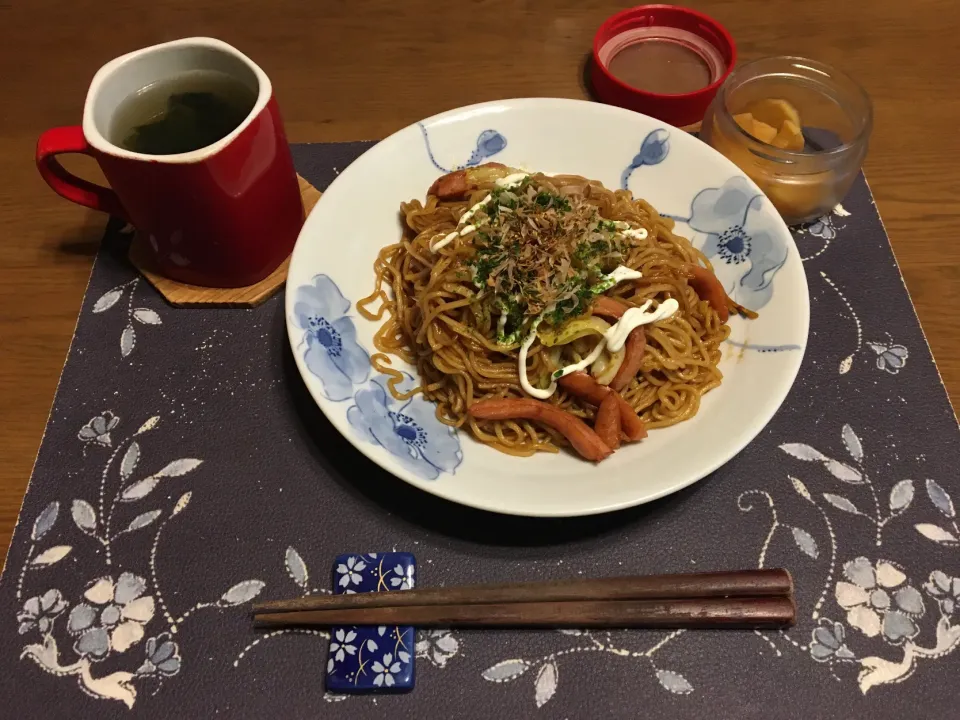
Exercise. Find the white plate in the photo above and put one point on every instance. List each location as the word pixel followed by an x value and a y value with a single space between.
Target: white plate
pixel 720 210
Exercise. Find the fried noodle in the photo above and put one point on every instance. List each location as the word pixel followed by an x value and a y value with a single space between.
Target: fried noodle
pixel 440 315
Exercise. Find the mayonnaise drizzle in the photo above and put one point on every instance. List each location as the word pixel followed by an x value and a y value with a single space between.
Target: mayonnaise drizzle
pixel 621 274
pixel 524 382
pixel 453 236
pixel 582 365
pixel 612 338
pixel 613 341
pixel 631 232
pixel 616 336
pixel 473 211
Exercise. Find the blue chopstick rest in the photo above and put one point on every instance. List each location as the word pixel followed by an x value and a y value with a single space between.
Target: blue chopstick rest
pixel 371 659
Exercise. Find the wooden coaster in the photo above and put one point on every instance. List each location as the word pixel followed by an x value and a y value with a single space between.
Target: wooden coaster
pixel 183 295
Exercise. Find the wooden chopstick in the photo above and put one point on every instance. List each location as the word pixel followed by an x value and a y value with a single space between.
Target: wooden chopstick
pixel 737 612
pixel 741 583
pixel 741 599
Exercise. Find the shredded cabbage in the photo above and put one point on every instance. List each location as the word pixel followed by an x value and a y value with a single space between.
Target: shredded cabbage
pixel 572 330
pixel 606 367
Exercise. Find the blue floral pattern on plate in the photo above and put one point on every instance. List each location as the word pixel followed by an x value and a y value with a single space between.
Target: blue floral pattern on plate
pixel 369 658
pixel 409 429
pixel 332 353
pixel 489 143
pixel 653 151
pixel 741 241
pixel 763 348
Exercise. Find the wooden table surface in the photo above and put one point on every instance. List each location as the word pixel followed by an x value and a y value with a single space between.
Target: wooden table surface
pixel 360 70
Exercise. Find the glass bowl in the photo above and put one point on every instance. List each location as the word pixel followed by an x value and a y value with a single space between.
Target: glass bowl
pixel 836 117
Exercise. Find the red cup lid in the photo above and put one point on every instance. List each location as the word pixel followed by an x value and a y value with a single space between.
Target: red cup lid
pixel 655 58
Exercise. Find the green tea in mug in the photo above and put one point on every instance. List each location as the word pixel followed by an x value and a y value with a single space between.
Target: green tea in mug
pixel 183 113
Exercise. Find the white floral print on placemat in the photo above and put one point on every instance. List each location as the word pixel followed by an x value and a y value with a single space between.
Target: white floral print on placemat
pixel 135 315
pixel 825 228
pixel 98 429
pixel 889 628
pixel 437 646
pixel 885 611
pixel 547 668
pixel 891 357
pixel 119 607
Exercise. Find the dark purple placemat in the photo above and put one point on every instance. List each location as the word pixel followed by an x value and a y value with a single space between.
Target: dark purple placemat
pixel 185 471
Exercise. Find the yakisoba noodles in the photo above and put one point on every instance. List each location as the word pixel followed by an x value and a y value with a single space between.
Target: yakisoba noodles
pixel 546 311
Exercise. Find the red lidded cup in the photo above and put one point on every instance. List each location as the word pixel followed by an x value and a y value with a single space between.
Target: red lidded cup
pixel 661 60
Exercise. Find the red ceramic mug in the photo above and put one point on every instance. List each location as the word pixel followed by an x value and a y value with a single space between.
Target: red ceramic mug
pixel 225 215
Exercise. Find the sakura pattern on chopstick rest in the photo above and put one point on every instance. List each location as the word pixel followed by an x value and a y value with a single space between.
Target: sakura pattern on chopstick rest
pixel 370 659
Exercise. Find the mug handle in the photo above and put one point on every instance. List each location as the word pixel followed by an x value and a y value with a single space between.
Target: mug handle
pixel 58 141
